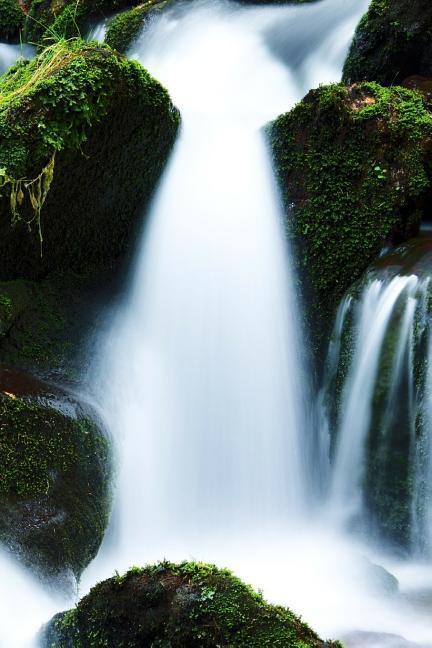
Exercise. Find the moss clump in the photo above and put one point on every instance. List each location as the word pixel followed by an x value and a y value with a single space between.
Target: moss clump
pixel 11 20
pixel 191 604
pixel 54 478
pixel 44 13
pixel 392 42
pixel 95 131
pixel 124 29
pixel 353 165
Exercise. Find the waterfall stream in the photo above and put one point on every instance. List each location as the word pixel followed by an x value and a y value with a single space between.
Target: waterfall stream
pixel 202 372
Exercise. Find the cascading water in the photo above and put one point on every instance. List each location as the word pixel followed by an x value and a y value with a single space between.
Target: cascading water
pixel 381 415
pixel 202 375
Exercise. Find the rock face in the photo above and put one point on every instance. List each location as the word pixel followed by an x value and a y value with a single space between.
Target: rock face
pixel 84 136
pixel 392 42
pixel 354 169
pixel 54 464
pixel 193 605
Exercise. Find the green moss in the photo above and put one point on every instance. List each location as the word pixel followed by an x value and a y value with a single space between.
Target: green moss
pixel 11 19
pixel 190 604
pixel 354 172
pixel 54 483
pixel 46 16
pixel 393 41
pixel 108 126
pixel 125 27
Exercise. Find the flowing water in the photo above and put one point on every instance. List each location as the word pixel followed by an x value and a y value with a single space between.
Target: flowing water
pixel 202 375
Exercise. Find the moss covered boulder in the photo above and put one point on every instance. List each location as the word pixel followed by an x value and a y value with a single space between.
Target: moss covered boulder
pixel 191 604
pixel 84 137
pixel 45 325
pixel 54 481
pixel 125 27
pixel 12 19
pixel 354 169
pixel 392 42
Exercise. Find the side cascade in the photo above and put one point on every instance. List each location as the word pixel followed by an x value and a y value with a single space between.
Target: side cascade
pixel 377 401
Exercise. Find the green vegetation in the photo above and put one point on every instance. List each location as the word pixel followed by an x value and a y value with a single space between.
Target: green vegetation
pixel 54 495
pixel 190 604
pixel 125 27
pixel 11 20
pixel 84 136
pixel 392 42
pixel 354 173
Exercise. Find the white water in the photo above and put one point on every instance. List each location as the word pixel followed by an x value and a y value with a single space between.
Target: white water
pixel 9 54
pixel 374 312
pixel 201 376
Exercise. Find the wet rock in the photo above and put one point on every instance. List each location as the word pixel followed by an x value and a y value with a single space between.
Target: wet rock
pixel 392 42
pixel 54 477
pixel 191 604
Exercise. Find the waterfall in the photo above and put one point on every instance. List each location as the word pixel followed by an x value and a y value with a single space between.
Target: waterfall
pixel 378 395
pixel 203 373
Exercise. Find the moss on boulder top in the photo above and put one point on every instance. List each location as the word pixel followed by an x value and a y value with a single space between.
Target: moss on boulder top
pixel 392 42
pixel 11 20
pixel 125 27
pixel 191 604
pixel 84 136
pixel 354 168
pixel 54 487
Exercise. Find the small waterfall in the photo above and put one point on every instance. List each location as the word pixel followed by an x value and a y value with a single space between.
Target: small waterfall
pixel 378 399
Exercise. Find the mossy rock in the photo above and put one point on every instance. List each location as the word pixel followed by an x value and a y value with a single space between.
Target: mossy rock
pixel 44 325
pixel 54 484
pixel 125 27
pixel 190 604
pixel 11 20
pixel 95 131
pixel 392 42
pixel 354 169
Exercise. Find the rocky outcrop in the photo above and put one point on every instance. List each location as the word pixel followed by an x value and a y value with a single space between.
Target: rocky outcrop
pixel 54 483
pixel 354 168
pixel 392 42
pixel 193 605
pixel 84 136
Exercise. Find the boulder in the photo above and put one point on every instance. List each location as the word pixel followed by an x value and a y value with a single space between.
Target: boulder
pixel 191 604
pixel 392 42
pixel 84 137
pixel 353 164
pixel 54 477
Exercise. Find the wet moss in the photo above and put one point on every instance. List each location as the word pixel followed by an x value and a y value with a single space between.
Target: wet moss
pixel 190 604
pixel 54 495
pixel 95 130
pixel 392 42
pixel 353 165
